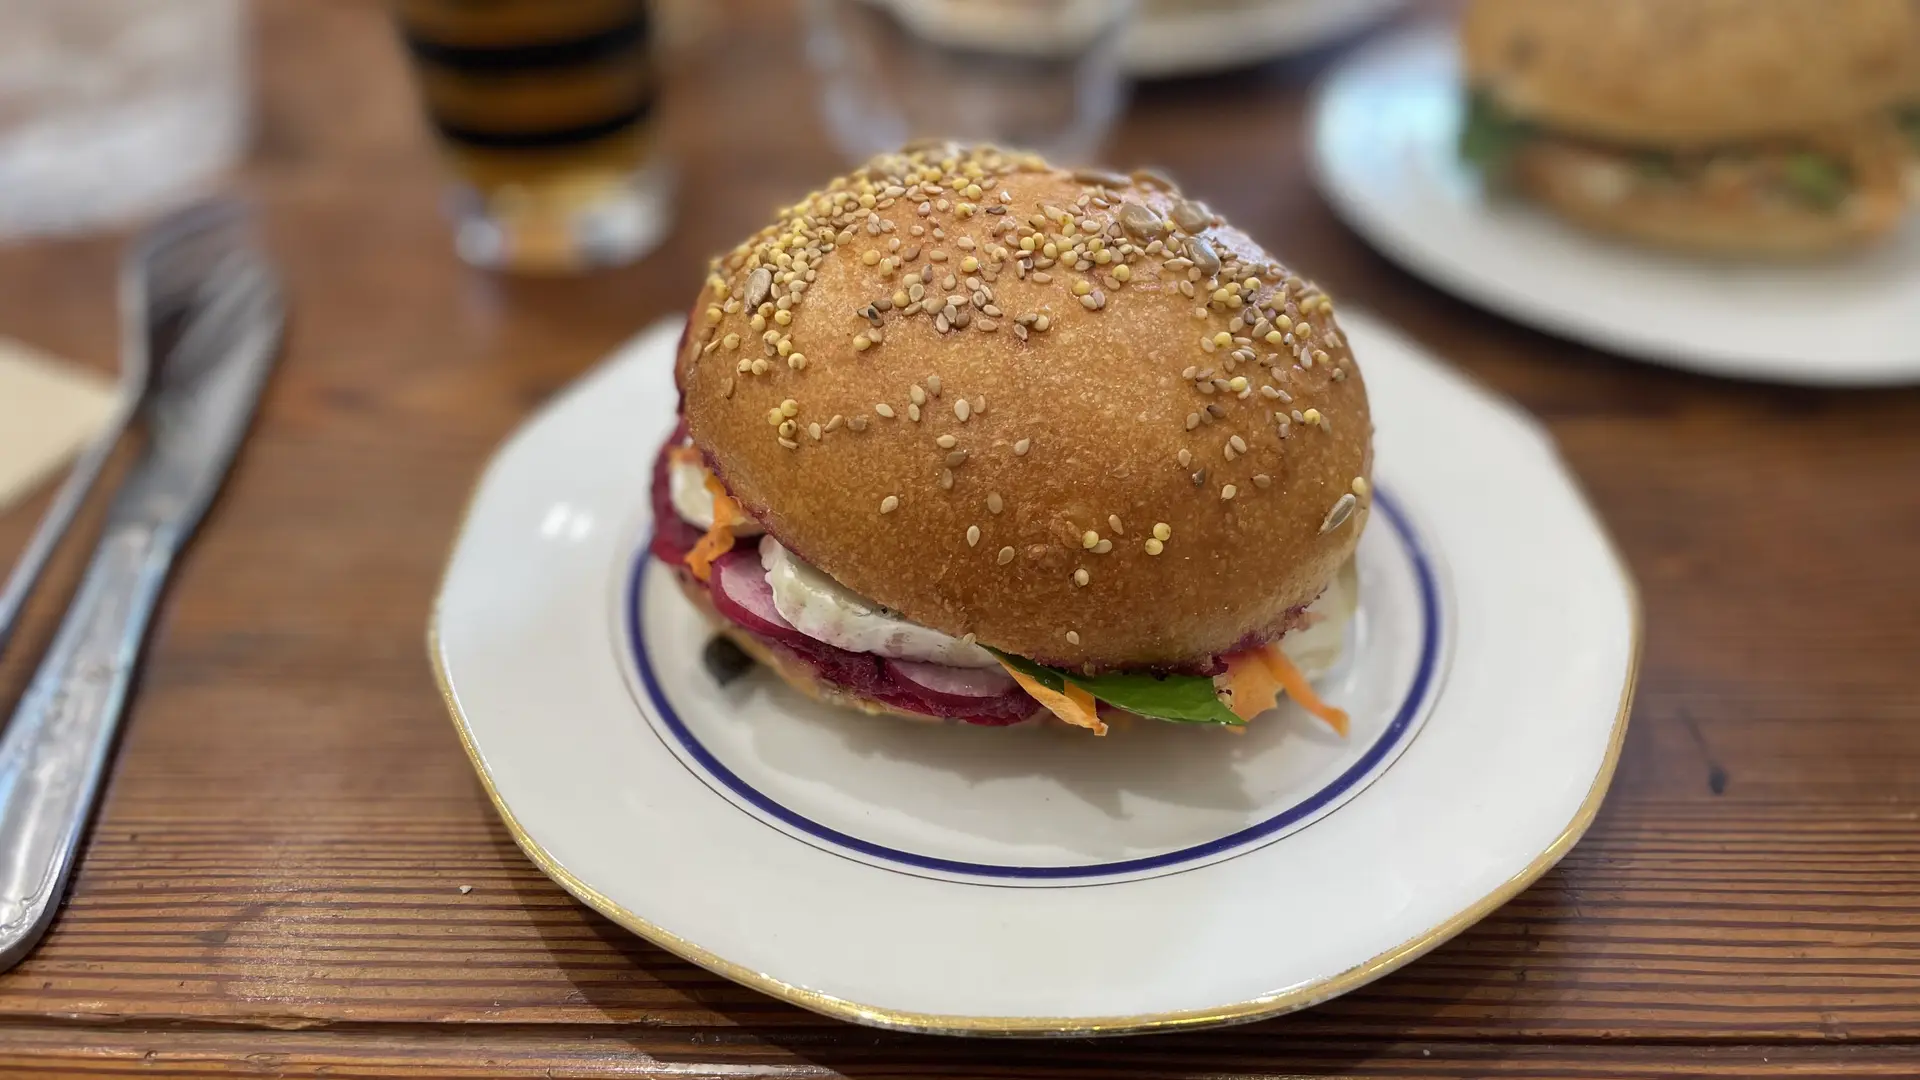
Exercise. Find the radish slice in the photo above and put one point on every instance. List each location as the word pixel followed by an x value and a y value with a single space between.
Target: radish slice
pixel 741 593
pixel 955 682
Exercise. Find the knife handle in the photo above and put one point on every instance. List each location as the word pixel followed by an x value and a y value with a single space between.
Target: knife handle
pixel 54 750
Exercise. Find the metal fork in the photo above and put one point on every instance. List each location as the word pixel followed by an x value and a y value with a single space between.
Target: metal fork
pixel 157 283
pixel 213 318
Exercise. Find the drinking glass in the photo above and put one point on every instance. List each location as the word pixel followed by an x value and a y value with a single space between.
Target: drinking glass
pixel 110 109
pixel 1041 75
pixel 544 110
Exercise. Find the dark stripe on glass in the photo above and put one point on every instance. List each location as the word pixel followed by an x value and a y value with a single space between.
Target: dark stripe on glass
pixel 544 138
pixel 498 59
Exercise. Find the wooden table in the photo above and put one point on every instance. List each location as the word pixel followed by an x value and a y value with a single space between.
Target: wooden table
pixel 278 882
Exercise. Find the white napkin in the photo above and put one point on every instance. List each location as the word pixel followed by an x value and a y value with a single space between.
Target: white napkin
pixel 48 411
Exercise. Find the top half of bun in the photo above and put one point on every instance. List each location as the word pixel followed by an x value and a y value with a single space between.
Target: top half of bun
pixel 1675 74
pixel 971 387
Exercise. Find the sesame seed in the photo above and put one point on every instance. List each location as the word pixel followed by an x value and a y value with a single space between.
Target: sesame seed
pixel 1089 538
pixel 813 430
pixel 1360 486
pixel 913 413
pixel 858 423
pixel 1193 420
pixel 1155 546
pixel 1105 545
pixel 917 395
pixel 1005 556
pixel 933 385
pixel 1081 577
pixel 956 459
pixel 1227 493
pixel 946 479
pixel 1238 443
pixel 962 408
pixel 1185 457
pixel 834 424
pixel 884 409
pixel 789 444
pixel 1073 637
pixel 994 503
pixel 1261 480
pixel 1162 531
pixel 889 504
pixel 946 442
pixel 973 536
pixel 1113 522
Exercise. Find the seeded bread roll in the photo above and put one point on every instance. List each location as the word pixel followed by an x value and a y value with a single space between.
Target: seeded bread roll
pixel 926 382
pixel 1727 207
pixel 1674 74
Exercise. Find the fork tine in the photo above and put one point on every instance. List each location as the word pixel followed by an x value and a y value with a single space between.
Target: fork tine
pixel 155 275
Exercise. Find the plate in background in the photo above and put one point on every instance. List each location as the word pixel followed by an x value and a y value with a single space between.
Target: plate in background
pixel 1383 130
pixel 1172 38
pixel 1037 880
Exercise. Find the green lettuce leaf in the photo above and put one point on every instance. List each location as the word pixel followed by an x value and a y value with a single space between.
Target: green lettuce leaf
pixel 1818 179
pixel 1909 121
pixel 1490 135
pixel 1180 699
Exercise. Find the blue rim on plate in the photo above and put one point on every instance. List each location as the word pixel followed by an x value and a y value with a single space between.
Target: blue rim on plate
pixel 1389 740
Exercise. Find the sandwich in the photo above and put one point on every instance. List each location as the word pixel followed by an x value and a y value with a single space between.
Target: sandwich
pixel 1734 127
pixel 968 437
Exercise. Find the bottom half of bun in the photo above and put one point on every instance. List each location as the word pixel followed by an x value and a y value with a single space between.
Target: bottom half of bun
pixel 1738 206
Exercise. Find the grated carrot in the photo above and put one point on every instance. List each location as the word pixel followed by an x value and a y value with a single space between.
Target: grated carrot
pixel 1075 705
pixel 719 539
pixel 1299 689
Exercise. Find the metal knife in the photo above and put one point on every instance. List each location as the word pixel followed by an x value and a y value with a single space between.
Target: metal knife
pixel 216 315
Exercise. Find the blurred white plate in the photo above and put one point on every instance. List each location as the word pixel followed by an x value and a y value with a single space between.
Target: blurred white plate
pixel 1383 131
pixel 1038 880
pixel 1181 38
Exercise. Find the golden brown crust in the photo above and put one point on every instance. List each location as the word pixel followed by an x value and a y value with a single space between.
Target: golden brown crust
pixel 1724 208
pixel 1103 397
pixel 1688 73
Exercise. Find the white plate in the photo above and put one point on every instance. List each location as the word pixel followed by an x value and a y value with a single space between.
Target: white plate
pixel 1383 146
pixel 1167 42
pixel 1038 880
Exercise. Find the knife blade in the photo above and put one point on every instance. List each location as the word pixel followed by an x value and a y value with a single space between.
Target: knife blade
pixel 229 319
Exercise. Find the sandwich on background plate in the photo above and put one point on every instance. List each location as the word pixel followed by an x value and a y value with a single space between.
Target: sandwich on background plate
pixel 969 437
pixel 1737 127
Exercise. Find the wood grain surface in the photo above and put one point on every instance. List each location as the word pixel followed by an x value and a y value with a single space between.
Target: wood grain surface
pixel 274 883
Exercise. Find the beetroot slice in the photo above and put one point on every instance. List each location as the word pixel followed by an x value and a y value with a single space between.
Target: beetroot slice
pixel 741 592
pixel 673 536
pixel 961 686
